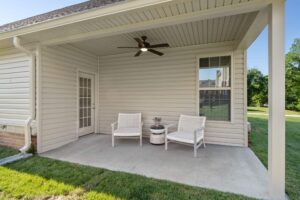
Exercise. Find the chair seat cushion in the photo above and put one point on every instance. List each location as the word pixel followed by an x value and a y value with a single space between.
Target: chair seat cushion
pixel 127 132
pixel 185 137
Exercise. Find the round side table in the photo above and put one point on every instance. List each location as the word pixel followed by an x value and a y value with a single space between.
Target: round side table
pixel 157 136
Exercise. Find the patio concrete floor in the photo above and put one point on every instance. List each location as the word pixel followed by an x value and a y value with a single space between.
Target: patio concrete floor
pixel 224 168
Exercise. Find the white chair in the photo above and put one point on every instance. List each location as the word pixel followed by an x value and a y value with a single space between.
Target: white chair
pixel 190 132
pixel 129 125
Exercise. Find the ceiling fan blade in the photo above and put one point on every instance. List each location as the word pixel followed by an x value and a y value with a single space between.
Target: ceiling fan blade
pixel 160 45
pixel 138 40
pixel 155 52
pixel 138 53
pixel 128 47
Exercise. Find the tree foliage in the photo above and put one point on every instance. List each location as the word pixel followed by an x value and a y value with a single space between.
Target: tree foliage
pixel 292 64
pixel 257 88
pixel 258 83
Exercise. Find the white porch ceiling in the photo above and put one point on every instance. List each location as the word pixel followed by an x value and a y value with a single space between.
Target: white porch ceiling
pixel 178 22
pixel 223 29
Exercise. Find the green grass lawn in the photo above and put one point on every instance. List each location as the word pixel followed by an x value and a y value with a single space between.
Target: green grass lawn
pixel 259 144
pixel 5 152
pixel 42 178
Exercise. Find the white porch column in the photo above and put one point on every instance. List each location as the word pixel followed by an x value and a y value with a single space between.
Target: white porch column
pixel 276 129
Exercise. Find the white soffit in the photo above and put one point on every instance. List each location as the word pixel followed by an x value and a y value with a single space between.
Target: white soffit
pixel 132 18
pixel 223 29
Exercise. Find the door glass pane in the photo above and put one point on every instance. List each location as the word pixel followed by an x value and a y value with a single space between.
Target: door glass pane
pixel 85 102
pixel 85 122
pixel 89 102
pixel 89 92
pixel 81 92
pixel 81 82
pixel 81 113
pixel 81 102
pixel 85 112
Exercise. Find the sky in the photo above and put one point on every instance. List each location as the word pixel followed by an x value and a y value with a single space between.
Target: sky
pixel 257 53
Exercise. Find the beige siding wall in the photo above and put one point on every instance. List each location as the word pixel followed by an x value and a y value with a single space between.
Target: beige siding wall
pixel 166 87
pixel 58 88
pixel 14 90
pixel 232 133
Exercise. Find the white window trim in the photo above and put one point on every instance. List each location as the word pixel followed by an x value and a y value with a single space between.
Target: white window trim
pixel 218 54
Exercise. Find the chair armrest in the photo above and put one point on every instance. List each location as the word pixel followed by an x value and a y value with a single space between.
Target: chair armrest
pixel 195 133
pixel 168 126
pixel 199 129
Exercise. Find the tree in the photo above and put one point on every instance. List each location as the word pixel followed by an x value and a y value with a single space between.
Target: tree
pixel 257 88
pixel 258 83
pixel 292 82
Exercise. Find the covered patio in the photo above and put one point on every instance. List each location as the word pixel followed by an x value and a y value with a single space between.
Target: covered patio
pixel 83 80
pixel 224 168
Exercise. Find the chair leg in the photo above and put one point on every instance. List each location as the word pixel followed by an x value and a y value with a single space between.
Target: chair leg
pixel 141 140
pixel 195 150
pixel 112 140
pixel 166 144
pixel 204 143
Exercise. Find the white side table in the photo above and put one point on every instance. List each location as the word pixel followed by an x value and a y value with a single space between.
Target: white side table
pixel 157 136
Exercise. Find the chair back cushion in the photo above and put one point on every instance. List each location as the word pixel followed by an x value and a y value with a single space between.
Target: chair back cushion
pixel 190 123
pixel 129 120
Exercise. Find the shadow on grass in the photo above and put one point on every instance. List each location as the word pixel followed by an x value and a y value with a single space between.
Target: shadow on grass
pixel 117 185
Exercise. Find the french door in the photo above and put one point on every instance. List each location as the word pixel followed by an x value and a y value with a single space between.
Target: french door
pixel 86 103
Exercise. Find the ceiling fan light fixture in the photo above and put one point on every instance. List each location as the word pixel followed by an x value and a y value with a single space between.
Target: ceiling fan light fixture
pixel 144 46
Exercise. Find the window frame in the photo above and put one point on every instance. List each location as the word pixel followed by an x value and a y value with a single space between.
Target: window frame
pixel 231 88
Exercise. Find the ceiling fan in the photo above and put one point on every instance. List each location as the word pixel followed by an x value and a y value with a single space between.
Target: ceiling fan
pixel 144 46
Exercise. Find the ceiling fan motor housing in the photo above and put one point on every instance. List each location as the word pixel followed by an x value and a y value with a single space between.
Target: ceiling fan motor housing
pixel 145 46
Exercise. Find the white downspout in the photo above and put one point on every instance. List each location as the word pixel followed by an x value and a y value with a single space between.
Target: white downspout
pixel 27 135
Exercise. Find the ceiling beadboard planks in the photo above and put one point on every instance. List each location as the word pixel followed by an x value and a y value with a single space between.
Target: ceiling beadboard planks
pixel 165 10
pixel 215 30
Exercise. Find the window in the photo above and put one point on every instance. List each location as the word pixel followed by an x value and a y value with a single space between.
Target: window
pixel 215 88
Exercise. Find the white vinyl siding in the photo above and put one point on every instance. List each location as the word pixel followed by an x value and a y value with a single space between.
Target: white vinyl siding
pixel 166 87
pixel 59 119
pixel 14 89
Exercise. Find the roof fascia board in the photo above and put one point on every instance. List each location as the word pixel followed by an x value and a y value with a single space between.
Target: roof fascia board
pixel 235 9
pixel 91 14
pixel 257 26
